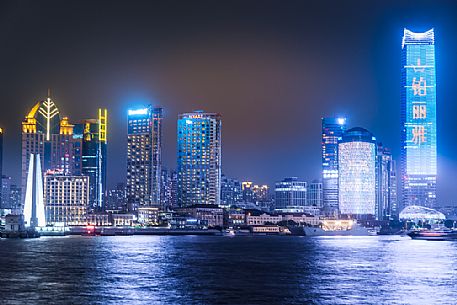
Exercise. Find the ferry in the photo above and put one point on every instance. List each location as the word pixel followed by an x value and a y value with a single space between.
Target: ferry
pixel 337 228
pixel 440 234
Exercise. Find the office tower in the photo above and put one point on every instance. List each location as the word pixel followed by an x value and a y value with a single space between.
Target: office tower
pixel 315 194
pixel 90 156
pixel 199 158
pixel 418 119
pixel 45 134
pixel 65 198
pixel 290 193
pixel 230 191
pixel 144 157
pixel 386 184
pixel 15 198
pixel 34 214
pixel 332 129
pixel 357 173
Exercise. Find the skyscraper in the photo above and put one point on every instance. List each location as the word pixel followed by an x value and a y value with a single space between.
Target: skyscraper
pixel 90 156
pixel 357 173
pixel 230 191
pixel 144 157
pixel 418 119
pixel 1 165
pixel 199 158
pixel 332 129
pixel 39 129
pixel 386 184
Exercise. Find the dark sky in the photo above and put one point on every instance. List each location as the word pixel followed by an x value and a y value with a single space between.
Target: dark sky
pixel 271 68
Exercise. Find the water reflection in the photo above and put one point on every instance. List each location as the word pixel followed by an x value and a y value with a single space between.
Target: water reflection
pixel 219 270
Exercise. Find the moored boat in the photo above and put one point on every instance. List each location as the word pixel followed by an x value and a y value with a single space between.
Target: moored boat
pixel 442 234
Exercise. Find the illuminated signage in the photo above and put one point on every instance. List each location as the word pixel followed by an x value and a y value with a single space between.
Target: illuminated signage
pixel 141 111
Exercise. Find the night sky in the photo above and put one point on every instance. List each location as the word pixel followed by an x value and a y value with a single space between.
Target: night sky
pixel 271 68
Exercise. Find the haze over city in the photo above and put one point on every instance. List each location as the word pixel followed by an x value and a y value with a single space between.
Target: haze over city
pixel 272 71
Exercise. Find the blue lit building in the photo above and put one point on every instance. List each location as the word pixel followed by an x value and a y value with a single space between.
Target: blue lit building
pixel 90 156
pixel 332 129
pixel 199 158
pixel 357 173
pixel 144 157
pixel 418 119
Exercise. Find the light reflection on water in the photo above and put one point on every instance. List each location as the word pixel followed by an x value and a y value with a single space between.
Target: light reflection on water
pixel 223 270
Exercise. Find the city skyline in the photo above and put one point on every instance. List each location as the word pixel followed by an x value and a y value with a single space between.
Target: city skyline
pixel 295 155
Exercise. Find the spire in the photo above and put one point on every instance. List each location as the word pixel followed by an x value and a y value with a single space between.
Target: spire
pixel 49 93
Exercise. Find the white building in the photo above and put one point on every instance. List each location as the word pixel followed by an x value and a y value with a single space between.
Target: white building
pixel 66 199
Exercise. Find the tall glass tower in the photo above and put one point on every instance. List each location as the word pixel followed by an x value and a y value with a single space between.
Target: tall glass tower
pixel 199 158
pixel 332 129
pixel 144 157
pixel 418 119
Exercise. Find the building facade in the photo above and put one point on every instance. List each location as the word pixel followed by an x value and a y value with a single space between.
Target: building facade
pixel 357 173
pixel 66 199
pixel 290 192
pixel 315 194
pixel 418 119
pixel 230 191
pixel 199 158
pixel 386 185
pixel 332 130
pixel 90 157
pixel 144 157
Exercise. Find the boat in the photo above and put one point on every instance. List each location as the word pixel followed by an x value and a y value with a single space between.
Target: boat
pixel 335 227
pixel 440 234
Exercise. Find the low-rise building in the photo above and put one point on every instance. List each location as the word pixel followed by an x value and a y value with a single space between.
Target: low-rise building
pixel 212 214
pixel 148 216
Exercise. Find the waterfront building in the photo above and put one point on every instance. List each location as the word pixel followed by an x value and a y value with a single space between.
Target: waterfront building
pixel 148 215
pixel 248 192
pixel 230 191
pixel 90 156
pixel 209 214
pixel 357 173
pixel 144 157
pixel 315 194
pixel 418 119
pixel 386 185
pixel 34 213
pixel 199 158
pixel 66 198
pixel 255 217
pixel 332 129
pixel 290 192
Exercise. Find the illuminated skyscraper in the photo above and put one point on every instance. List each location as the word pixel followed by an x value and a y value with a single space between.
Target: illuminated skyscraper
pixel 90 156
pixel 199 158
pixel 332 129
pixel 418 119
pixel 230 191
pixel 144 157
pixel 357 173
pixel 45 134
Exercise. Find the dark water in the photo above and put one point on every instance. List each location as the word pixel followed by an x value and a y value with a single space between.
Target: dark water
pixel 225 270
